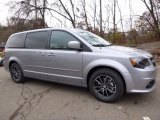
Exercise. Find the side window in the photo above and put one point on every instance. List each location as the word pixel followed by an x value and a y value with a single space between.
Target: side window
pixel 16 41
pixel 36 40
pixel 60 39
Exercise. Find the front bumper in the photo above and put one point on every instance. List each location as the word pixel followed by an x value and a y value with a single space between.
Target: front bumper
pixel 141 80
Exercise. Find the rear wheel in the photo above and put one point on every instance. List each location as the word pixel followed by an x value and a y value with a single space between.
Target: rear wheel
pixel 106 85
pixel 16 73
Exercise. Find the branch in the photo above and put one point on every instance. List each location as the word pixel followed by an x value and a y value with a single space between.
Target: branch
pixel 50 9
pixel 71 19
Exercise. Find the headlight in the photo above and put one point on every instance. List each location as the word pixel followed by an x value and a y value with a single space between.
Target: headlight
pixel 140 62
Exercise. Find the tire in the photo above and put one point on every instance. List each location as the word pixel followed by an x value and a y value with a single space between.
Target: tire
pixel 106 85
pixel 16 73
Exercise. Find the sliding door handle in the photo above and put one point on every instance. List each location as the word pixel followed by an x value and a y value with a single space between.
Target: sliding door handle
pixel 51 54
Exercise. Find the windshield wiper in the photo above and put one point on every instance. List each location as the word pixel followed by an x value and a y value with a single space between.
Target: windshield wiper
pixel 99 45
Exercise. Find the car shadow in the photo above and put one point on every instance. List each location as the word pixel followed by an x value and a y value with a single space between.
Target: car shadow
pixel 129 99
pixel 56 85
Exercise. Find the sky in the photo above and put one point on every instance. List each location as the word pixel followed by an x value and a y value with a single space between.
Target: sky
pixel 137 9
pixel 4 11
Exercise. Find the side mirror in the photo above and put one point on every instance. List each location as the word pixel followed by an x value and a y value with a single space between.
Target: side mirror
pixel 74 45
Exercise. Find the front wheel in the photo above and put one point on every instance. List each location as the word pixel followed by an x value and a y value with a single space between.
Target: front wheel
pixel 106 85
pixel 16 73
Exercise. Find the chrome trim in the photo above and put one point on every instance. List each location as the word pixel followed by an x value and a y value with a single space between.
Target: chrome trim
pixel 53 74
pixel 53 68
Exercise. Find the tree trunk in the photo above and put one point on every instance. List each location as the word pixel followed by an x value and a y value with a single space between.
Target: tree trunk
pixel 43 15
pixel 158 35
pixel 36 16
pixel 73 24
pixel 101 31
pixel 114 23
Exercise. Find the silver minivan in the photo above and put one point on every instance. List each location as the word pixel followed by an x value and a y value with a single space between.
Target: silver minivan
pixel 78 57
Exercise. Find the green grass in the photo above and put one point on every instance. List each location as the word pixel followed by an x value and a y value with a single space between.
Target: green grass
pixel 1 54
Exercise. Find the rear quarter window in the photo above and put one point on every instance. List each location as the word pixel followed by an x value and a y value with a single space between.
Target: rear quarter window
pixel 16 41
pixel 36 40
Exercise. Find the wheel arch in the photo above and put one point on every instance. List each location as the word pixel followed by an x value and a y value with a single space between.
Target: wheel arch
pixel 116 66
pixel 14 60
pixel 11 62
pixel 106 67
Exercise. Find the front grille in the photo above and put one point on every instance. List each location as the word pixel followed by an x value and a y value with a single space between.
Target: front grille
pixel 153 61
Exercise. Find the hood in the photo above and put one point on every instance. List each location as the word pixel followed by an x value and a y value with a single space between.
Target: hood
pixel 121 50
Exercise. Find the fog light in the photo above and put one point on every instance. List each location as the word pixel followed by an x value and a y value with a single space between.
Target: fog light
pixel 150 84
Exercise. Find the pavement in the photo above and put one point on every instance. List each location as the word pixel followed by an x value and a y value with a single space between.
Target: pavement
pixel 41 100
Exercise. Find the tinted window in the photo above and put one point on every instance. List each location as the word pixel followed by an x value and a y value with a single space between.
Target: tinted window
pixel 60 39
pixel 36 40
pixel 16 41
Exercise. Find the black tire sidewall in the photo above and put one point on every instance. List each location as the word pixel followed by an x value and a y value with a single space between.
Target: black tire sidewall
pixel 117 79
pixel 21 73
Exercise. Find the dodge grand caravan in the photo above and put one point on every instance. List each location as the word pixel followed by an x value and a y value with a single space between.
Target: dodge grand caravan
pixel 78 57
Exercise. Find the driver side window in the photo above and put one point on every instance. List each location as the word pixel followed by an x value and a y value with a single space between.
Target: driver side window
pixel 60 39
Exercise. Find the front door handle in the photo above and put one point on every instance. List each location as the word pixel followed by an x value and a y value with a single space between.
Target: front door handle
pixel 51 54
pixel 41 53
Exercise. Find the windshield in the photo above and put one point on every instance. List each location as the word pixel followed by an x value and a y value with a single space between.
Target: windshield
pixel 93 39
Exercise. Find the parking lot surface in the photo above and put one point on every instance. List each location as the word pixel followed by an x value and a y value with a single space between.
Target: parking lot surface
pixel 40 100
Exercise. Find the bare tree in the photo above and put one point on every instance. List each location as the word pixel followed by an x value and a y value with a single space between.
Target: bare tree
pixel 71 17
pixel 43 13
pixel 130 10
pixel 106 22
pixel 114 21
pixel 36 11
pixel 27 8
pixel 121 19
pixel 100 16
pixel 94 14
pixel 68 10
pixel 153 7
pixel 85 16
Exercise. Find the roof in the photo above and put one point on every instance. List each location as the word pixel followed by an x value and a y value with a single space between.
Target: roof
pixel 36 30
